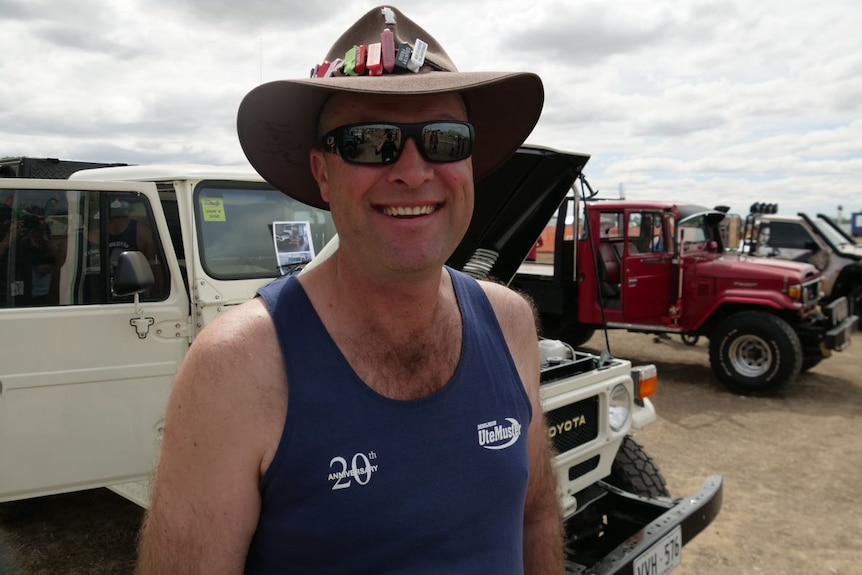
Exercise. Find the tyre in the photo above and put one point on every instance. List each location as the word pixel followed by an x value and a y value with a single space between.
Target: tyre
pixel 591 531
pixel 573 333
pixel 854 300
pixel 633 470
pixel 755 353
pixel 576 334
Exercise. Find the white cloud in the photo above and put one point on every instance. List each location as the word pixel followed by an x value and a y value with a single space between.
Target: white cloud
pixel 723 101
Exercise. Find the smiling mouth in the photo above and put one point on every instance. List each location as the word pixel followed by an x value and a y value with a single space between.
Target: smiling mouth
pixel 409 211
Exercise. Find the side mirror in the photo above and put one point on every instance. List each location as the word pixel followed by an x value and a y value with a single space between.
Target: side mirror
pixel 712 246
pixel 132 275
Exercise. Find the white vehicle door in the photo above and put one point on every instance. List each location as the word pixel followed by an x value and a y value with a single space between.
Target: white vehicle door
pixel 84 375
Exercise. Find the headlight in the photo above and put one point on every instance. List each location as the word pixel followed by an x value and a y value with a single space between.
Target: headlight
pixel 619 408
pixel 795 292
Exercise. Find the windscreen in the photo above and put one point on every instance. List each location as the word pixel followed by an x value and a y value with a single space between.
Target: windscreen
pixel 254 231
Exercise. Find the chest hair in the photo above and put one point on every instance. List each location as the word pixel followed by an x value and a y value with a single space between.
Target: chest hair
pixel 410 367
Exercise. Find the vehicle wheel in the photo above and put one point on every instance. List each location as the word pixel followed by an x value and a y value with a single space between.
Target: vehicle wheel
pixel 573 333
pixel 590 530
pixel 635 471
pixel 854 299
pixel 755 353
pixel 576 334
pixel 690 340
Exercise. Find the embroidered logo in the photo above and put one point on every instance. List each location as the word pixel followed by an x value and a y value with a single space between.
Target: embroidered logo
pixel 494 435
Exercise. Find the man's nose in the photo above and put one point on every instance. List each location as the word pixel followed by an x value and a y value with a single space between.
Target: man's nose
pixel 411 169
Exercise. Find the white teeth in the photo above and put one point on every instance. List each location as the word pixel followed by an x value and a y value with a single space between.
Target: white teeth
pixel 407 211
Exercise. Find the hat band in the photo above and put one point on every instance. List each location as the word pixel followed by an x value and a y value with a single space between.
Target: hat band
pixel 379 58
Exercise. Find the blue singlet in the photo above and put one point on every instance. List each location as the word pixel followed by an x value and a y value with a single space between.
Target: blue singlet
pixel 365 484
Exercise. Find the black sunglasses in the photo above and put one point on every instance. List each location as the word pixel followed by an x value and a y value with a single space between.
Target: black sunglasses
pixel 381 142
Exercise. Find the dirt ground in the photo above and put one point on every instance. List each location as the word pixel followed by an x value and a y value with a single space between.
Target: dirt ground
pixel 792 468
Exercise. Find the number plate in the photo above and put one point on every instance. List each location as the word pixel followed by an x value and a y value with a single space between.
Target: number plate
pixel 663 557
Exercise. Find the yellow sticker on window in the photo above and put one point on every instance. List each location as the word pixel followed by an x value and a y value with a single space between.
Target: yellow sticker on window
pixel 213 209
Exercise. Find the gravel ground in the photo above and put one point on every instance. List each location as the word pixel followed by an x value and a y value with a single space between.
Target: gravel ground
pixel 793 478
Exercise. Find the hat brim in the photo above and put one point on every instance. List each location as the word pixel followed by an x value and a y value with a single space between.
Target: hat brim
pixel 277 121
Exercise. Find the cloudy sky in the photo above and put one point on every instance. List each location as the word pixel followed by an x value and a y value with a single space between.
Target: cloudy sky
pixel 713 101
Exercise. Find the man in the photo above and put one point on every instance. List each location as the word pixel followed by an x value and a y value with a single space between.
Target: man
pixel 124 233
pixel 381 413
pixel 658 235
pixel 387 148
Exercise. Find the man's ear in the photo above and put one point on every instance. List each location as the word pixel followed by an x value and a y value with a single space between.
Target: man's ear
pixel 320 173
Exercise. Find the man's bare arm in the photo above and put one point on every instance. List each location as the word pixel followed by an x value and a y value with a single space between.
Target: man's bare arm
pixel 543 528
pixel 218 438
pixel 543 532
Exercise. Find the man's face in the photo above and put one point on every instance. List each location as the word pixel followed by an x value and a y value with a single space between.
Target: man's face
pixel 405 216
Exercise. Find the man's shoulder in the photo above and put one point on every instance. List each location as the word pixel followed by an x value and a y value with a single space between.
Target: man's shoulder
pixel 239 346
pixel 496 290
pixel 243 325
pixel 510 306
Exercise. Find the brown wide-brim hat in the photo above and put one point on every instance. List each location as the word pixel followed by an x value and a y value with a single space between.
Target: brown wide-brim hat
pixel 277 121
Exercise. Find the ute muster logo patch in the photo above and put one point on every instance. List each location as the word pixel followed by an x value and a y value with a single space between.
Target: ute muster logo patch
pixel 494 435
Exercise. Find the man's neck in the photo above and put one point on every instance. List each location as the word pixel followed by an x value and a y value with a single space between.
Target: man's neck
pixel 400 304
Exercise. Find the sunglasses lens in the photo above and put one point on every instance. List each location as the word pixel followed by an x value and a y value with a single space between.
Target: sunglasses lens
pixel 381 143
pixel 370 143
pixel 447 141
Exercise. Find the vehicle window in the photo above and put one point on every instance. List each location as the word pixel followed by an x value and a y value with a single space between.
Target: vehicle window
pixel 633 234
pixel 236 229
pixel 694 234
pixel 789 235
pixel 645 233
pixel 654 233
pixel 52 246
pixel 611 225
